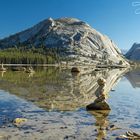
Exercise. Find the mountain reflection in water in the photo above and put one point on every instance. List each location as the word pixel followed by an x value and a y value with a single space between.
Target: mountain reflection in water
pixel 56 89
pixel 134 78
pixel 54 98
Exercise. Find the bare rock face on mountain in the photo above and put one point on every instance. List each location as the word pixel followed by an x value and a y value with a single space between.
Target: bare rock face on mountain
pixel 134 52
pixel 76 41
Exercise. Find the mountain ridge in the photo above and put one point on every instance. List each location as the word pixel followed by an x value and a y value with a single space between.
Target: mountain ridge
pixel 78 41
pixel 134 52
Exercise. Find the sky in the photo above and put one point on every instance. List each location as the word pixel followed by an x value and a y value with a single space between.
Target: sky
pixel 118 19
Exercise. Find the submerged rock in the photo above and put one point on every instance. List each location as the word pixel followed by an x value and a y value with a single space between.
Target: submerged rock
pixel 19 121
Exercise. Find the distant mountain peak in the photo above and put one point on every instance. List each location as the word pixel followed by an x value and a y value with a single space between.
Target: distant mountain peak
pixel 134 52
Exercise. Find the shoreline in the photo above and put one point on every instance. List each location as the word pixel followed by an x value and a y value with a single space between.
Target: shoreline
pixel 62 65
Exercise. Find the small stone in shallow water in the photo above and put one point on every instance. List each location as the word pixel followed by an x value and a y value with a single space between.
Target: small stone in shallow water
pixel 19 121
pixel 71 137
pixel 112 90
pixel 27 132
pixel 63 127
pixel 95 130
pixel 129 135
pixel 122 137
pixel 9 125
pixel 112 127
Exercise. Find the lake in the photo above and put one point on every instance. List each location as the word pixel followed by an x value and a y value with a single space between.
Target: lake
pixel 53 100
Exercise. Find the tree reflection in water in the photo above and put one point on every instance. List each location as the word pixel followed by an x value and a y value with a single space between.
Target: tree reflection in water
pixel 56 89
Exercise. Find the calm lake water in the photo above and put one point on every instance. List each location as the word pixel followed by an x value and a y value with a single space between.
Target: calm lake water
pixel 54 103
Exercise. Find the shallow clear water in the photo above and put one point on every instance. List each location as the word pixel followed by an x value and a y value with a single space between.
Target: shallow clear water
pixel 54 102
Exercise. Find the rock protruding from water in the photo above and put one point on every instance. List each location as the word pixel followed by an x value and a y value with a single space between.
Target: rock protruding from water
pixel 100 103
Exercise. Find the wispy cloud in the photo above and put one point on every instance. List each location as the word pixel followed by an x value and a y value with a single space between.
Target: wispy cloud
pixel 137 5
